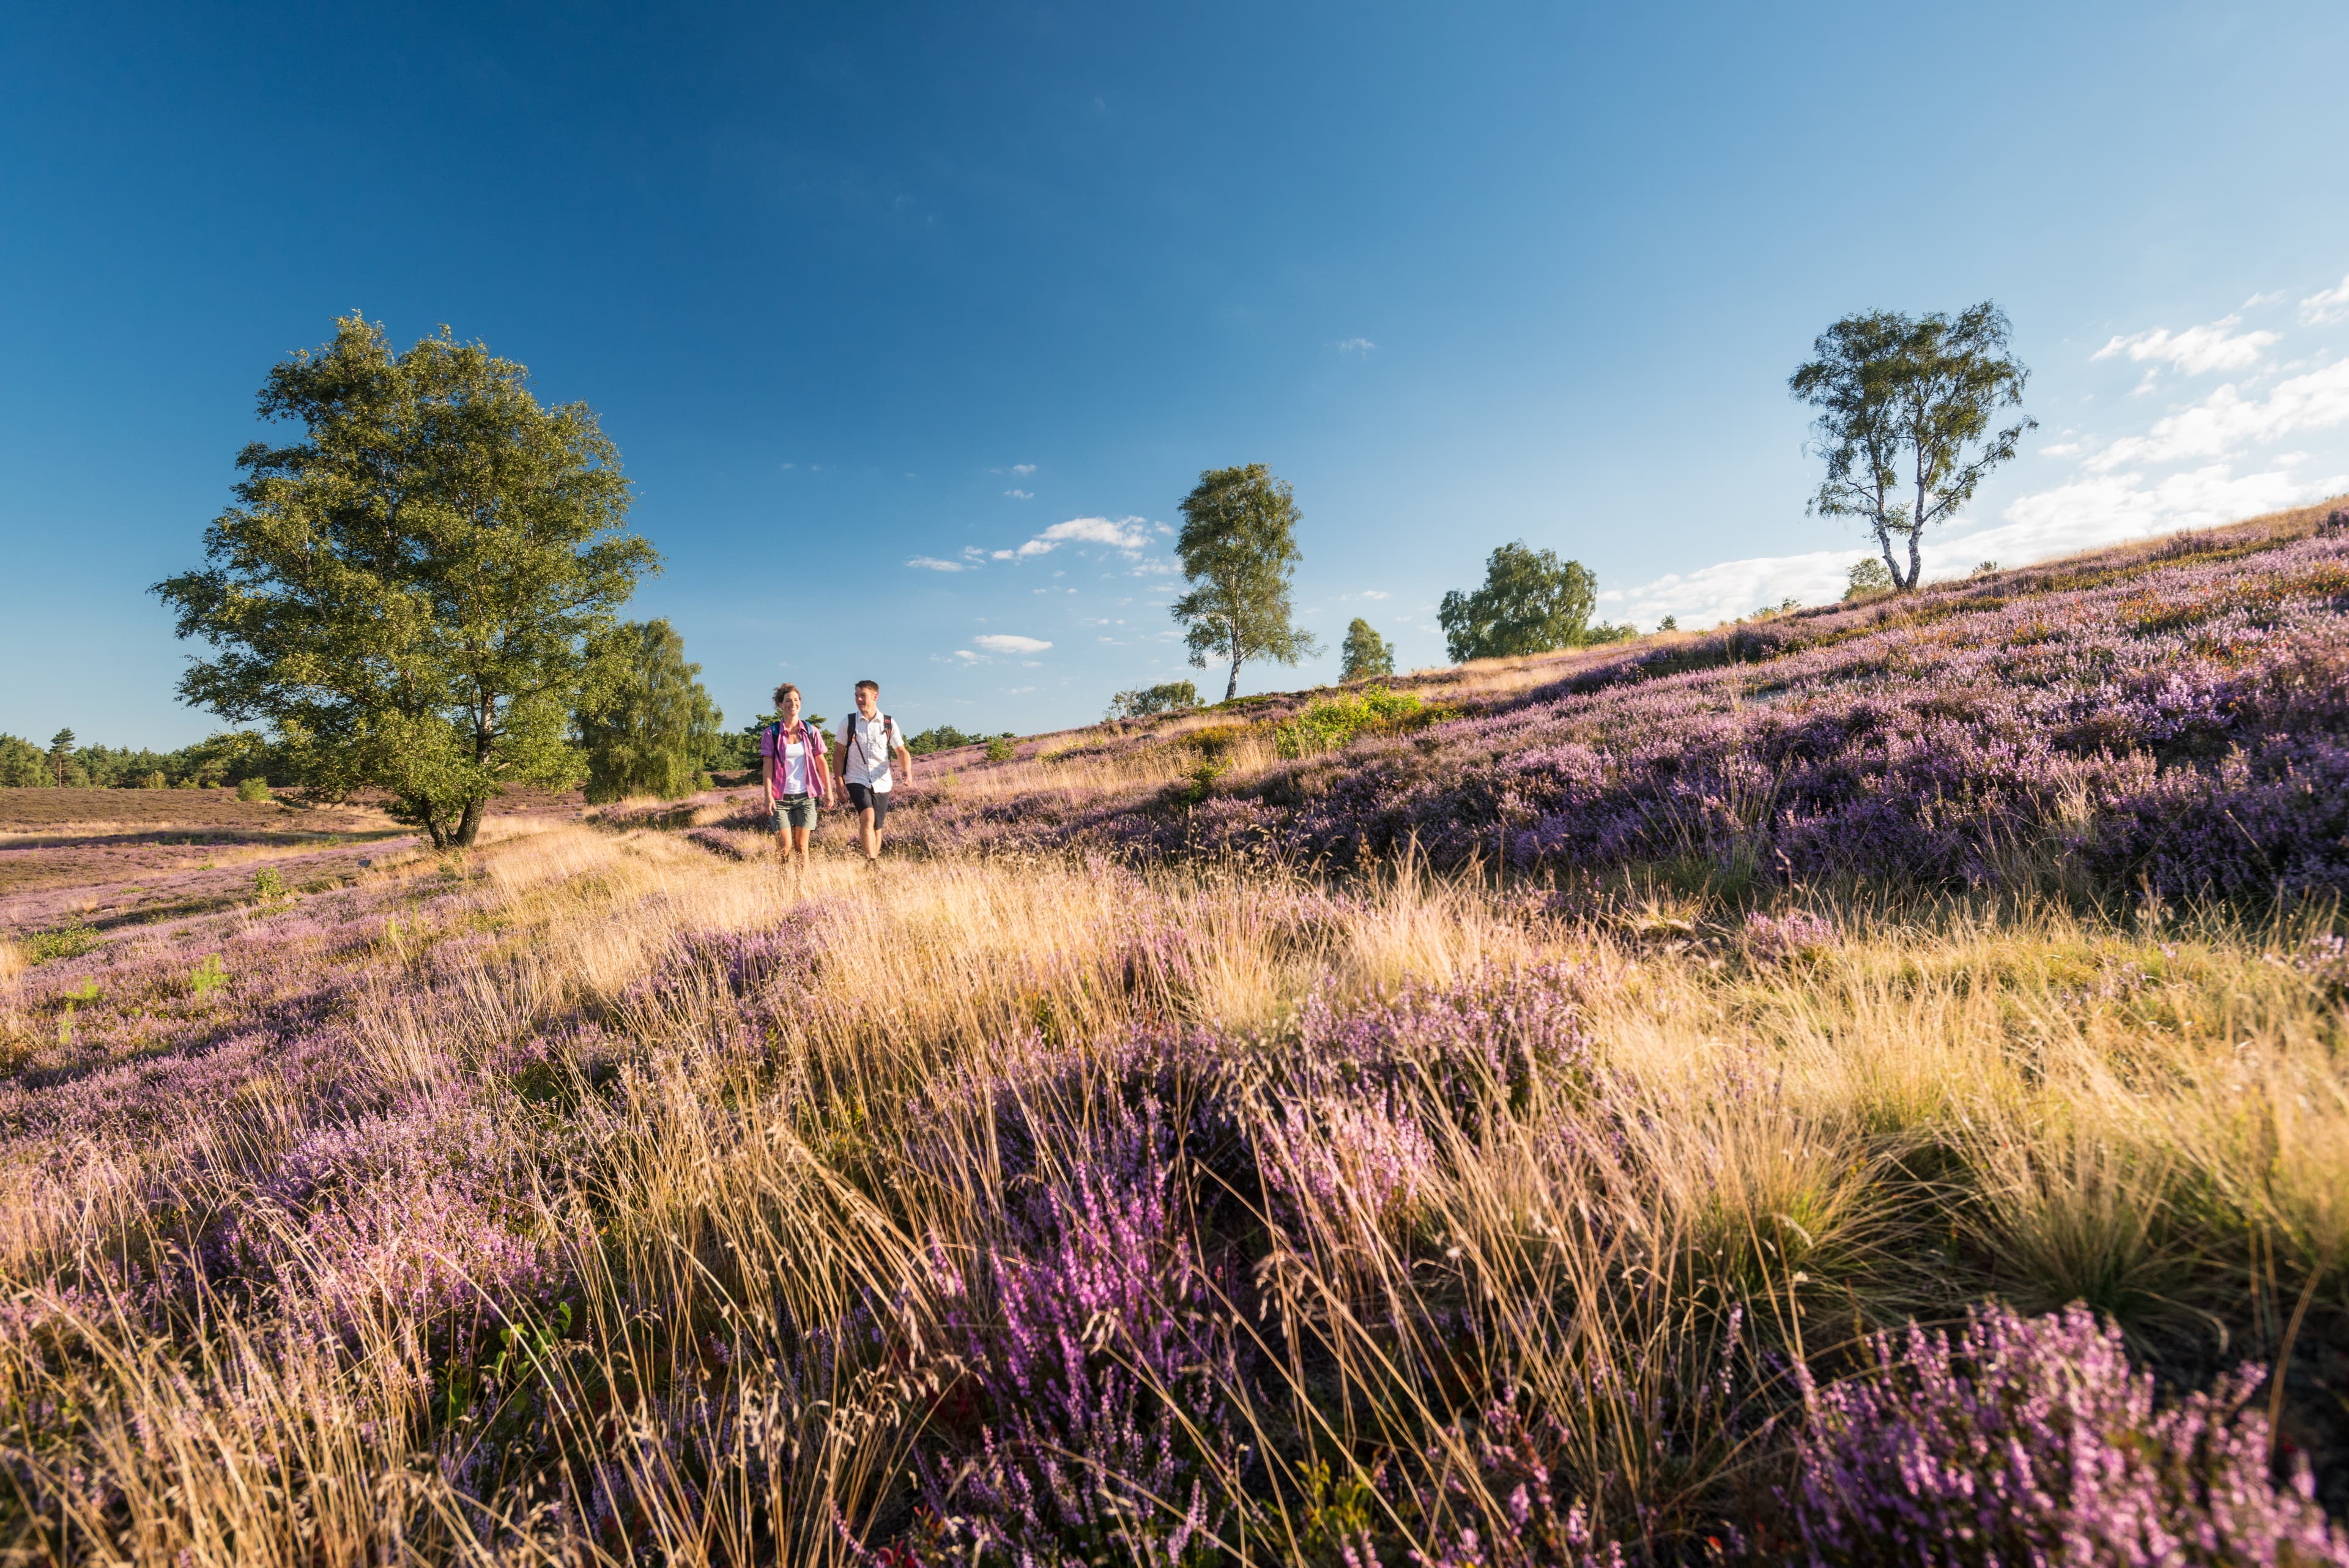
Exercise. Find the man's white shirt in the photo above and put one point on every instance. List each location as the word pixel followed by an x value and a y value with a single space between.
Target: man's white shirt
pixel 868 752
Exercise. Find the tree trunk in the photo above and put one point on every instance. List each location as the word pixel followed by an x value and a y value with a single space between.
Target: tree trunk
pixel 1892 562
pixel 469 825
pixel 420 812
pixel 1916 566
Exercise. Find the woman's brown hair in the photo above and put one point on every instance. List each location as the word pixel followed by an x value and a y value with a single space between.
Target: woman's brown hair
pixel 780 691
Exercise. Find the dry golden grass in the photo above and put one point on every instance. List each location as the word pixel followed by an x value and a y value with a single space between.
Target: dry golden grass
pixel 1950 1101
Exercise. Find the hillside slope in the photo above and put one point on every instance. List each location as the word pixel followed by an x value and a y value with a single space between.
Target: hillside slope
pixel 2167 717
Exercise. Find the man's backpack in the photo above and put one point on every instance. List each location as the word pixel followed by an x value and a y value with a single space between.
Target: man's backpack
pixel 857 725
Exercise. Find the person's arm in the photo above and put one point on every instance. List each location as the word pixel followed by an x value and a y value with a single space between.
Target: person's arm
pixel 820 772
pixel 766 768
pixel 905 760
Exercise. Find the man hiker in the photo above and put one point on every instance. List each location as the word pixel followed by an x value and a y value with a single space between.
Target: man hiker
pixel 868 741
pixel 791 765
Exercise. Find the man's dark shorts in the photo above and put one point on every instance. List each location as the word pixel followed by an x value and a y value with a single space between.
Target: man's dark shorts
pixel 865 797
pixel 794 811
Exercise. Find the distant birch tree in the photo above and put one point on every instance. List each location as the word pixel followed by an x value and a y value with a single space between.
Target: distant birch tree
pixel 1238 546
pixel 1905 409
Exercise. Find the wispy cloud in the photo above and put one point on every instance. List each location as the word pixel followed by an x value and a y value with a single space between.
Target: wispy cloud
pixel 2227 421
pixel 1732 589
pixel 2329 308
pixel 2105 508
pixel 1005 643
pixel 2195 351
pixel 1023 469
pixel 1126 534
pixel 1357 346
pixel 1021 494
pixel 932 563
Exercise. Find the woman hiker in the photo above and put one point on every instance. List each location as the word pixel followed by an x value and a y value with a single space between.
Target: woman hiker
pixel 797 778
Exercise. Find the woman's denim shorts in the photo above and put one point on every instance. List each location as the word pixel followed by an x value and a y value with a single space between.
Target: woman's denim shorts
pixel 794 811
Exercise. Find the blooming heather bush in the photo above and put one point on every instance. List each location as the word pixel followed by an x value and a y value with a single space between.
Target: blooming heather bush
pixel 1098 1367
pixel 1774 939
pixel 2182 725
pixel 1363 1158
pixel 2324 959
pixel 1490 1034
pixel 2033 1440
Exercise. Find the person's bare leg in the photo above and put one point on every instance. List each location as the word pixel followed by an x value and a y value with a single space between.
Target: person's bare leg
pixel 872 835
pixel 800 844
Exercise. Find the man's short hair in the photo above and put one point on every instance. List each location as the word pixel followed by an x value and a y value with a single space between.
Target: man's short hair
pixel 785 689
pixel 872 686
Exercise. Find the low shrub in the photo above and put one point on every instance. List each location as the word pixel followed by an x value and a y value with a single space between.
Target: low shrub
pixel 1331 723
pixel 71 940
pixel 2034 1440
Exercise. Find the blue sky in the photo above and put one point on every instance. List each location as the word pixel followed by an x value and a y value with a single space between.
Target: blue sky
pixel 985 286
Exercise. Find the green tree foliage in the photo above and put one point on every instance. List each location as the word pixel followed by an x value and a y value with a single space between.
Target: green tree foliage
pixel 654 726
pixel 230 757
pixel 61 756
pixel 1366 655
pixel 23 765
pixel 1868 575
pixel 406 595
pixel 1905 405
pixel 1167 697
pixel 1531 602
pixel 940 738
pixel 1238 546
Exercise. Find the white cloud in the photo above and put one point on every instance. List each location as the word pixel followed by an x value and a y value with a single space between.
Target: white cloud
pixel 1021 494
pixel 965 655
pixel 1362 346
pixel 932 563
pixel 1732 589
pixel 2061 449
pixel 2195 351
pixel 1002 555
pixel 2226 419
pixel 1120 534
pixel 2327 307
pixel 1004 642
pixel 2102 508
pixel 1023 468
